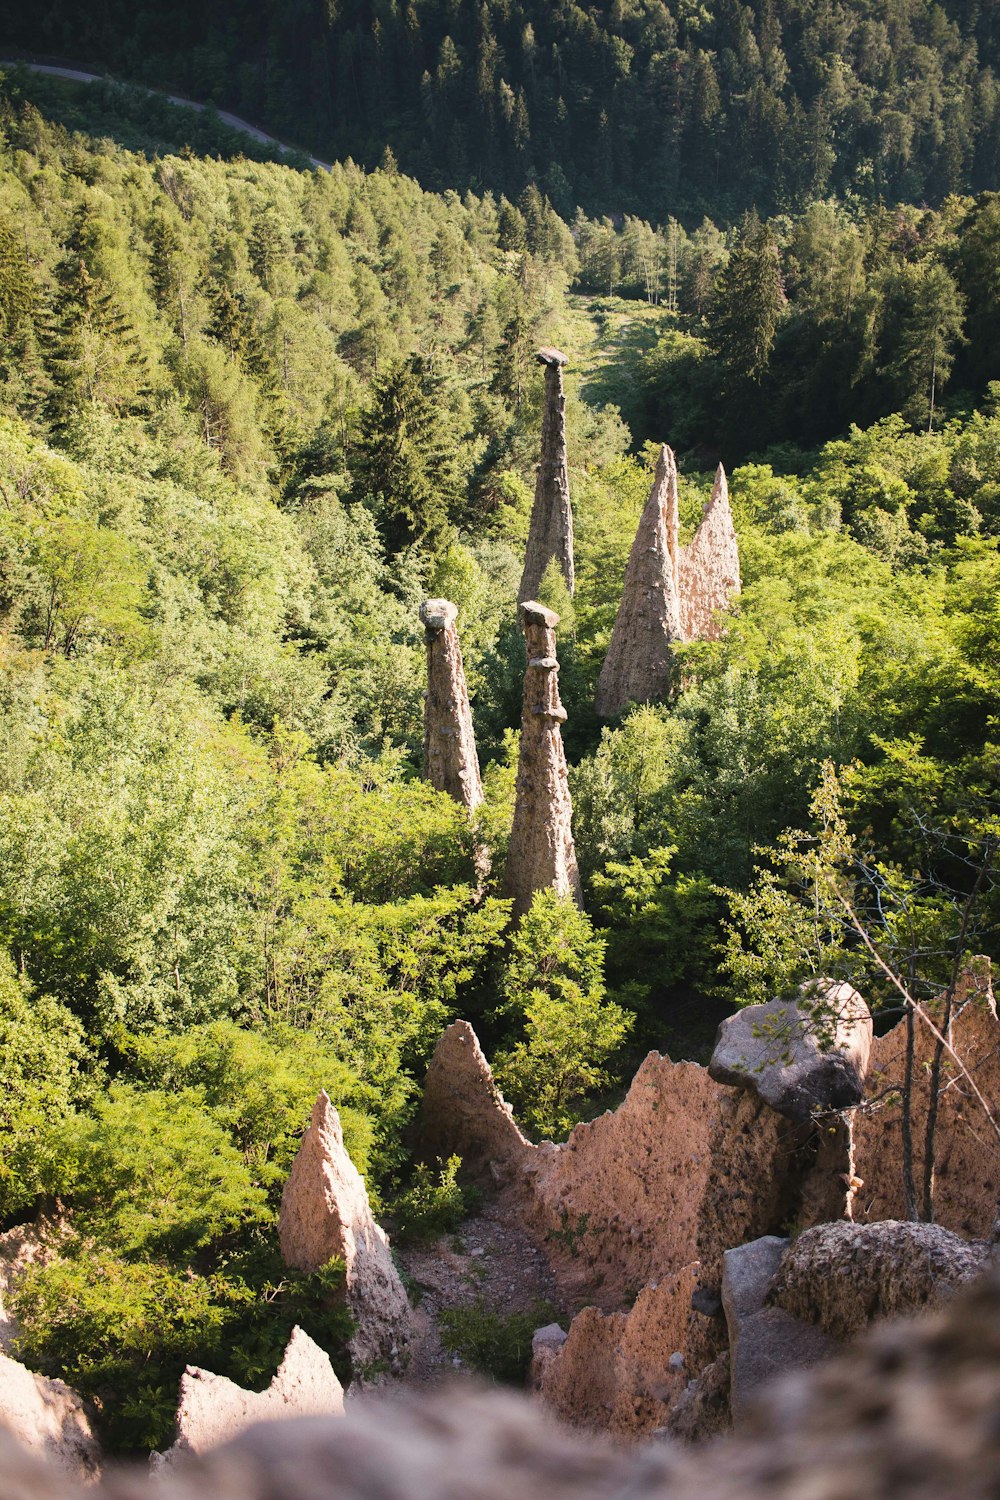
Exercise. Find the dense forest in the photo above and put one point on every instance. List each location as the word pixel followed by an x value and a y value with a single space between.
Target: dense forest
pixel 251 416
pixel 621 106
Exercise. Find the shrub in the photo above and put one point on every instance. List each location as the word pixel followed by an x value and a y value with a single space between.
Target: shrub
pixel 498 1346
pixel 427 1208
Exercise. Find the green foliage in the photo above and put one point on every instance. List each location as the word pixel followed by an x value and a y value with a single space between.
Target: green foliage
pixel 429 1208
pixel 44 1061
pixel 494 1344
pixel 571 99
pixel 121 1331
pixel 553 987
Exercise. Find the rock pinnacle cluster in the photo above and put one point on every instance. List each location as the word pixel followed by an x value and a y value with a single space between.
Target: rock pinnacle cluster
pixel 639 663
pixel 541 854
pixel 551 531
pixel 450 761
pixel 671 593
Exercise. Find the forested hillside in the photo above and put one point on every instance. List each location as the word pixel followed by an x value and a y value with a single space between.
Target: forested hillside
pixel 620 106
pixel 251 417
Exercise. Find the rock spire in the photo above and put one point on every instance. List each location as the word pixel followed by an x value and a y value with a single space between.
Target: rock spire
pixel 709 568
pixel 671 593
pixel 541 854
pixel 551 531
pixel 450 760
pixel 639 663
pixel 325 1213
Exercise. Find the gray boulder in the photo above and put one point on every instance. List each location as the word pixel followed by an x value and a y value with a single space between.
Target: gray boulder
pixel 801 1057
pixel 763 1341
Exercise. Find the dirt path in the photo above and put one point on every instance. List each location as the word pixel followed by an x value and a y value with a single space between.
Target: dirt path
pixel 75 75
pixel 488 1258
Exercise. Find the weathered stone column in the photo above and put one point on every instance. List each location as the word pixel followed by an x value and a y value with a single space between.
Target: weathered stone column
pixel 541 853
pixel 551 532
pixel 450 760
pixel 709 572
pixel 639 663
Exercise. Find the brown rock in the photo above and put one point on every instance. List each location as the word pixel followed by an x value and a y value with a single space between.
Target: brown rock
pixel 325 1213
pixel 541 855
pixel 48 1418
pixel 621 1372
pixel 845 1276
pixel 214 1410
pixel 640 664
pixel 463 1112
pixel 682 1170
pixel 450 760
pixel 550 534
pixel 709 567
pixel 702 1409
pixel 967 1156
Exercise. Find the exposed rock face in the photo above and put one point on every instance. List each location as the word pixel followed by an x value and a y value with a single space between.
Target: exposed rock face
pixel 214 1410
pixel 450 760
pixel 23 1246
pixel 541 854
pixel 682 1170
pixel 967 1158
pixel 622 1371
pixel 48 1418
pixel 464 1113
pixel 639 663
pixel 763 1341
pixel 550 534
pixel 799 1057
pixel 709 567
pixel 702 1409
pixel 844 1276
pixel 325 1213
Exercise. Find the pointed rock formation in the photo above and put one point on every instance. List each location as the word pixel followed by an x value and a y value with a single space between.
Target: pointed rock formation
pixel 639 663
pixel 325 1213
pixel 465 1114
pixel 214 1410
pixel 671 593
pixel 550 534
pixel 450 761
pixel 541 854
pixel 709 568
pixel 48 1418
pixel 623 1371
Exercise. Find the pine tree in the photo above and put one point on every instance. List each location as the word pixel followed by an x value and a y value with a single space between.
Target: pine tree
pixel 405 466
pixel 744 312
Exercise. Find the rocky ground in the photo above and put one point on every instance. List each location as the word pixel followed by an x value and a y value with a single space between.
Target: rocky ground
pixel 488 1259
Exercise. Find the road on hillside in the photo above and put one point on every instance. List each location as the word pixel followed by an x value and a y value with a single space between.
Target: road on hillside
pixel 233 121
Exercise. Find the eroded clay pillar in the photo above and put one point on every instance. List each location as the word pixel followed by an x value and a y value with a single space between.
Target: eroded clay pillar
pixel 639 663
pixel 551 532
pixel 451 763
pixel 709 571
pixel 541 854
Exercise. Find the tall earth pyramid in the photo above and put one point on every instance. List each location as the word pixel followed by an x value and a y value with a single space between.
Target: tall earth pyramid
pixel 671 593
pixel 551 531
pixel 709 567
pixel 639 663
pixel 541 854
pixel 451 763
